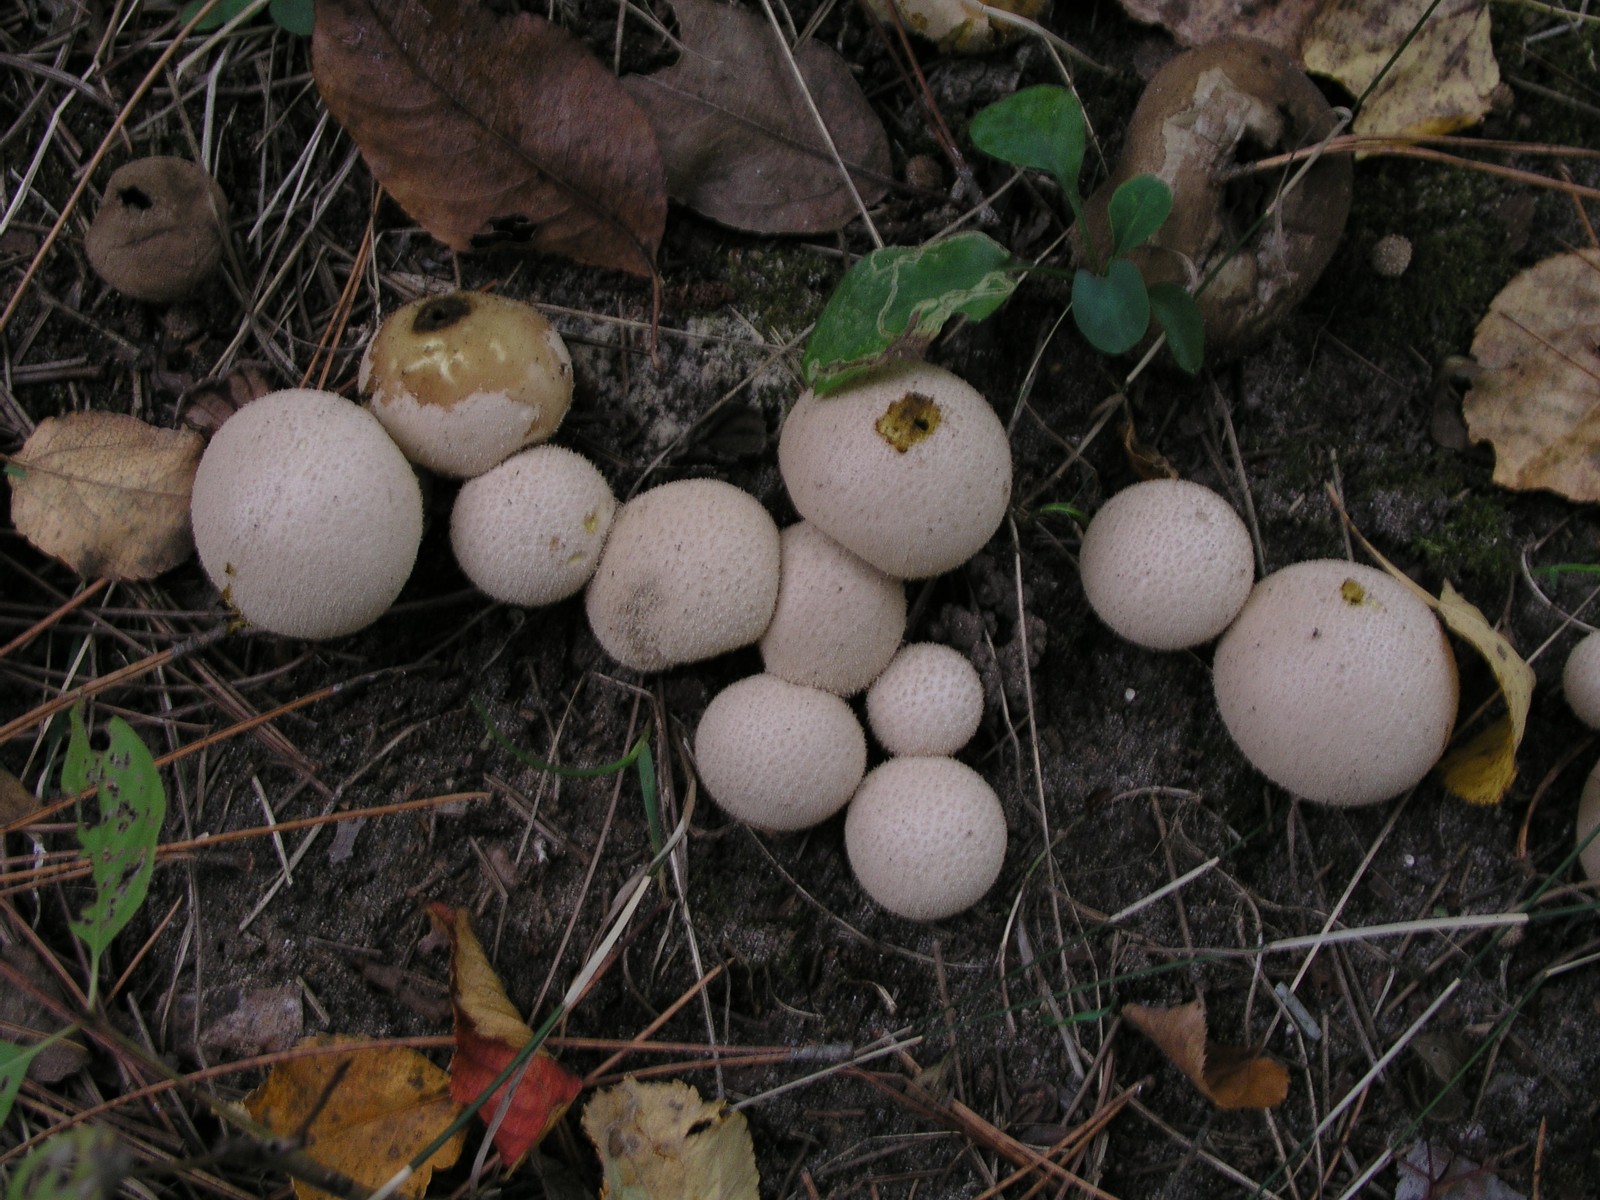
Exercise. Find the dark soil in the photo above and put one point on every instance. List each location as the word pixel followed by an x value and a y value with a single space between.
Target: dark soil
pixel 1115 772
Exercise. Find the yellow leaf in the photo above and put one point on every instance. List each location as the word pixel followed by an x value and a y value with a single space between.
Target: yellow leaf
pixel 367 1123
pixel 1442 81
pixel 661 1141
pixel 106 493
pixel 1536 396
pixel 1228 1076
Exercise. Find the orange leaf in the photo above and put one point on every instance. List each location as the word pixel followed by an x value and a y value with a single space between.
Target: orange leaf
pixel 1228 1076
pixel 489 1032
pixel 369 1110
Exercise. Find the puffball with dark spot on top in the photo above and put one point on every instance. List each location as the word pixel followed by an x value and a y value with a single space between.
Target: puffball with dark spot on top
pixel 777 755
pixel 910 468
pixel 1337 683
pixel 306 515
pixel 689 571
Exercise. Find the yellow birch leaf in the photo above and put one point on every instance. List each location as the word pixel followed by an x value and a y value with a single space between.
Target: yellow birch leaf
pixel 1443 81
pixel 661 1141
pixel 389 1103
pixel 106 493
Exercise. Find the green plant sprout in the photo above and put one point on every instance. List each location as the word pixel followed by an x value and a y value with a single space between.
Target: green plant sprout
pixel 291 16
pixel 1042 128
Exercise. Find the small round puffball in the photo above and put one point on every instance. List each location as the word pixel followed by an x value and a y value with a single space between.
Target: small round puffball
pixel 926 837
pixel 1337 683
pixel 1580 681
pixel 306 516
pixel 1167 564
pixel 777 755
pixel 928 701
pixel 530 531
pixel 465 380
pixel 1588 818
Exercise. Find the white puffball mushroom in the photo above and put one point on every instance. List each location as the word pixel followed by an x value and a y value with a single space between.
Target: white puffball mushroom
pixel 1580 681
pixel 529 531
pixel 689 571
pixel 1588 818
pixel 926 837
pixel 928 701
pixel 1337 683
pixel 779 756
pixel 839 619
pixel 465 380
pixel 306 516
pixel 910 468
pixel 1167 564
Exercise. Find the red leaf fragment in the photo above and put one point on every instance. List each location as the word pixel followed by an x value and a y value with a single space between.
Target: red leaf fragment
pixel 491 130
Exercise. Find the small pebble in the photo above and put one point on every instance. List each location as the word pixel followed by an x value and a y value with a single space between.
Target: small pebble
pixel 1391 256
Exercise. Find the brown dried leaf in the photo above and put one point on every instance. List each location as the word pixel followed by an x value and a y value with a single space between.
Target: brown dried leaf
pixel 1196 22
pixel 738 139
pixel 106 493
pixel 1536 396
pixel 1228 1076
pixel 1444 81
pixel 492 130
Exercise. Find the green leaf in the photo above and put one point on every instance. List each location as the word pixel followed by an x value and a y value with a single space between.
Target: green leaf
pixel 894 302
pixel 217 17
pixel 294 16
pixel 86 1162
pixel 1112 310
pixel 1179 316
pixel 1038 127
pixel 1137 209
pixel 121 845
pixel 14 1060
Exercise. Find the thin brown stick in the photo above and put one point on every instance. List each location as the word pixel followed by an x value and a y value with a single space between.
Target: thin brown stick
pixel 38 627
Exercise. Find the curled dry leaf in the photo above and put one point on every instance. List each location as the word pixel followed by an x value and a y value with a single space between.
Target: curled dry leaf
pixel 1536 396
pixel 1444 80
pixel 363 1112
pixel 663 1140
pixel 1228 1076
pixel 738 138
pixel 492 130
pixel 1196 22
pixel 489 1032
pixel 106 493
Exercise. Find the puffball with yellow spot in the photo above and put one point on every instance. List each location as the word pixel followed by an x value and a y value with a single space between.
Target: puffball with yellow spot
pixel 463 381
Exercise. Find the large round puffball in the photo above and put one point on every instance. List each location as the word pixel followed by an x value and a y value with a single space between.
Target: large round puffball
pixel 1580 681
pixel 463 381
pixel 910 469
pixel 306 515
pixel 777 755
pixel 928 701
pixel 1337 683
pixel 926 837
pixel 529 532
pixel 1588 818
pixel 1167 564
pixel 690 571
pixel 839 619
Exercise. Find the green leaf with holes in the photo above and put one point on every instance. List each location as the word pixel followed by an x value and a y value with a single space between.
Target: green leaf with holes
pixel 893 303
pixel 119 839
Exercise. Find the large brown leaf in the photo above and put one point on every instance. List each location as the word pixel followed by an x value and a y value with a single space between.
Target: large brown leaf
pixel 491 130
pixel 740 143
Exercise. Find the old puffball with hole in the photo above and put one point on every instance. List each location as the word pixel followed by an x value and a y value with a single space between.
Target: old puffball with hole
pixel 778 755
pixel 1167 564
pixel 926 837
pixel 306 515
pixel 689 571
pixel 463 381
pixel 159 232
pixel 964 26
pixel 1337 683
pixel 530 531
pixel 909 469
